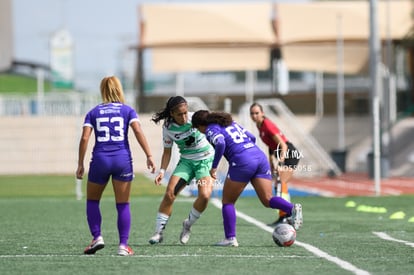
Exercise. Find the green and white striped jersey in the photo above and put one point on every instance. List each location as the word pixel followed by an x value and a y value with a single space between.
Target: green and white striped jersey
pixel 191 143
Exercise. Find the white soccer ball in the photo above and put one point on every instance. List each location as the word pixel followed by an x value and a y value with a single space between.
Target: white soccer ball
pixel 284 234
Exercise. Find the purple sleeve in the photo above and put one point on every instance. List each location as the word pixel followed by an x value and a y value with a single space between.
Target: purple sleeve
pixel 133 116
pixel 216 138
pixel 88 120
pixel 219 147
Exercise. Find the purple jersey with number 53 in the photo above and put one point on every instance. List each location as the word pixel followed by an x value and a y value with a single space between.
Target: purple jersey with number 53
pixel 111 154
pixel 110 123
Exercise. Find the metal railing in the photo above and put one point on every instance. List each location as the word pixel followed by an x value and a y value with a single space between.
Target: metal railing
pixel 51 104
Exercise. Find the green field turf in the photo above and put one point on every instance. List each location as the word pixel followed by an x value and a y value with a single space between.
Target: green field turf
pixel 11 83
pixel 44 231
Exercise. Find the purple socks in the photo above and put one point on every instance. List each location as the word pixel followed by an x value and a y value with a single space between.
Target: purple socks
pixel 229 220
pixel 124 222
pixel 94 218
pixel 282 204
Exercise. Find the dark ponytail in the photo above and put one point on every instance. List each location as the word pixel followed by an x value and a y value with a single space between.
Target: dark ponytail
pixel 165 114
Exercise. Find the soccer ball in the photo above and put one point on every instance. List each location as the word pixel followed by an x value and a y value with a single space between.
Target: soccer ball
pixel 284 234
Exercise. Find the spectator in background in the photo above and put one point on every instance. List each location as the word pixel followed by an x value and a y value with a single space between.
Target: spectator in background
pixel 283 155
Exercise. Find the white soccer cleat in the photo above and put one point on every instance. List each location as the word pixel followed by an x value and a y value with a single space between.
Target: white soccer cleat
pixel 185 233
pixel 95 245
pixel 296 219
pixel 156 238
pixel 125 250
pixel 228 242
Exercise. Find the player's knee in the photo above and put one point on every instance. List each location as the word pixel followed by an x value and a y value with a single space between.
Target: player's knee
pixel 204 196
pixel 169 197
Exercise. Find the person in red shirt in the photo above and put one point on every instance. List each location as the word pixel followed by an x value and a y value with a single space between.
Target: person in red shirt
pixel 283 155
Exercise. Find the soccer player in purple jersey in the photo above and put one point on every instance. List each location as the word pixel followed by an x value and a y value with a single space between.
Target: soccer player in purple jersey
pixel 111 158
pixel 247 163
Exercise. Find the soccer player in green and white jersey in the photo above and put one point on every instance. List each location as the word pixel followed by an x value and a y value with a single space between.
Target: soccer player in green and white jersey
pixel 196 156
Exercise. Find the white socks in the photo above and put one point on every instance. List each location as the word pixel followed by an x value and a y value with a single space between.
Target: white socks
pixel 162 219
pixel 160 222
pixel 193 216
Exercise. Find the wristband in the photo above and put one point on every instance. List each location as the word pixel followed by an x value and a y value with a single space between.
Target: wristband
pixel 162 171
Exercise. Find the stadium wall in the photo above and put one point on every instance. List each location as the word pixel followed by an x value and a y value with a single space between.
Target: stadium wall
pixel 6 35
pixel 49 145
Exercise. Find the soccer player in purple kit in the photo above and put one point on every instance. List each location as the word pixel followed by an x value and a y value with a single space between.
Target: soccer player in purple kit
pixel 111 157
pixel 247 163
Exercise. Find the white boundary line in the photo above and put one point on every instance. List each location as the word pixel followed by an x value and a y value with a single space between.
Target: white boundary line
pixel 155 256
pixel 387 237
pixel 314 250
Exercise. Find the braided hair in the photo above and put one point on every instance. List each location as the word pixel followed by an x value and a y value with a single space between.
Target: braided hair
pixel 165 114
pixel 204 118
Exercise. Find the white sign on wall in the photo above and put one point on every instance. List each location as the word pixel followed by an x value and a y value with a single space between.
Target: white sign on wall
pixel 61 59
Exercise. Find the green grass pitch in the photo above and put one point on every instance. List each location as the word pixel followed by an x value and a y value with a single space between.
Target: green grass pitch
pixel 43 230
